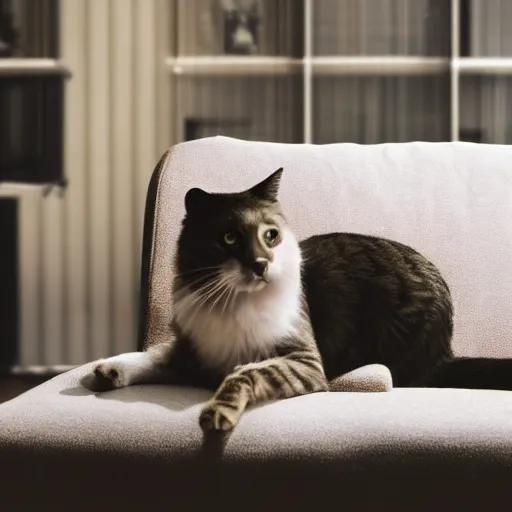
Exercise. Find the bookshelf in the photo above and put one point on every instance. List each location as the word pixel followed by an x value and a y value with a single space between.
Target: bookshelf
pixel 31 94
pixel 364 71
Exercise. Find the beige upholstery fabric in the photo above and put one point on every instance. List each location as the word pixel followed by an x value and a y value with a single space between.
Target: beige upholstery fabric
pixel 161 421
pixel 373 378
pixel 451 201
pixel 65 448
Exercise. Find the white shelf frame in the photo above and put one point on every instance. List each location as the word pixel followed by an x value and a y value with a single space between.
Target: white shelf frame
pixel 379 66
pixel 311 66
pixel 308 73
pixel 454 72
pixel 330 66
pixel 364 65
pixel 233 66
pixel 31 67
pixel 495 66
pixel 327 66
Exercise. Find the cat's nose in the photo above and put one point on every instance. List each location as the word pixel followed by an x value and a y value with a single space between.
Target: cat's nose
pixel 260 267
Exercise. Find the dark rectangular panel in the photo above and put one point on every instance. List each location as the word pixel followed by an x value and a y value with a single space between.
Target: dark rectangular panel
pixel 31 110
pixel 9 304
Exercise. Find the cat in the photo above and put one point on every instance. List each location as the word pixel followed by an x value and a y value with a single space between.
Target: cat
pixel 259 316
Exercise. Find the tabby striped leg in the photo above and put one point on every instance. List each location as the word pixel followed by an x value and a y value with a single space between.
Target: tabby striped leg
pixel 280 377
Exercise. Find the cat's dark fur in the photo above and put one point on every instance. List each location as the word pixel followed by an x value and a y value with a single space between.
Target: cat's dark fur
pixel 373 300
pixel 259 316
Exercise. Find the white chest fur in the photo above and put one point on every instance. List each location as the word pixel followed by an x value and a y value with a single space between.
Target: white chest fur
pixel 253 324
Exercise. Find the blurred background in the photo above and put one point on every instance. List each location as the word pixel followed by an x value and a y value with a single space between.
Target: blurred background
pixel 92 92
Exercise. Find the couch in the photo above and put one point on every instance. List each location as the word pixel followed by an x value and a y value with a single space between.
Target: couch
pixel 63 447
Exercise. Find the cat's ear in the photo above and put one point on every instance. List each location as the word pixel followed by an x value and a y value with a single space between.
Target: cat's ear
pixel 196 199
pixel 268 189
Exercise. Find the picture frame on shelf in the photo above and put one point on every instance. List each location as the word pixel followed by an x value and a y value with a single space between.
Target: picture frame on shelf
pixel 242 20
pixel 9 35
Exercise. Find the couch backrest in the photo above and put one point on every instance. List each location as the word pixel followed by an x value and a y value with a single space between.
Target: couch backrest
pixel 450 201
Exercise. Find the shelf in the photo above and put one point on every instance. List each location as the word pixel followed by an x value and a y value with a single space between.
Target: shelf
pixel 234 66
pixel 382 52
pixel 18 189
pixel 379 66
pixel 23 67
pixel 335 66
pixel 247 66
pixel 484 66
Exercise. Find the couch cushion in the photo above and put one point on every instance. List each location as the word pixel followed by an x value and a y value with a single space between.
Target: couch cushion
pixel 144 441
pixel 451 201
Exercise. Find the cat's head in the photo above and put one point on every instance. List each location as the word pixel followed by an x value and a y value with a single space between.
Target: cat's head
pixel 237 242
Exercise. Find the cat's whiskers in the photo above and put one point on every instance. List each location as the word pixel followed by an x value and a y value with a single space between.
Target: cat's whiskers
pixel 219 284
pixel 203 293
pixel 202 269
pixel 229 282
pixel 225 288
pixel 232 294
pixel 188 285
pixel 198 297
pixel 190 297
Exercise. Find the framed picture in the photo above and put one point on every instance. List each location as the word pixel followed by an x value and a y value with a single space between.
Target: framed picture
pixel 242 19
pixel 8 32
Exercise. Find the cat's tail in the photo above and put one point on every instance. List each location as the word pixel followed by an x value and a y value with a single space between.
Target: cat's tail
pixel 473 373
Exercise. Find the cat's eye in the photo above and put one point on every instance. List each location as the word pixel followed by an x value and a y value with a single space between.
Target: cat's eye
pixel 271 235
pixel 230 238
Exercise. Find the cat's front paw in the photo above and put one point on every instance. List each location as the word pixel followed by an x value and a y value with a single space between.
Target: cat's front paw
pixel 218 416
pixel 105 376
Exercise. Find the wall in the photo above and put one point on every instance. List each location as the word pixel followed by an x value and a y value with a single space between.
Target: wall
pixel 80 251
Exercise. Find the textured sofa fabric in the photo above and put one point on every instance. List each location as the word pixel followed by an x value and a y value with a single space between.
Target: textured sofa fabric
pixel 61 444
pixel 450 201
pixel 373 378
pixel 65 448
